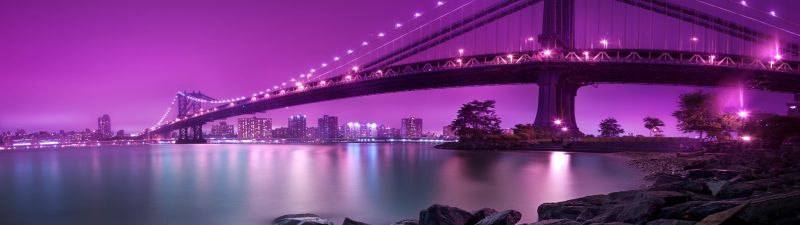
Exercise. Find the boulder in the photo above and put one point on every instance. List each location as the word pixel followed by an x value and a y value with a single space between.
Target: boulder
pixel 407 222
pixel 772 209
pixel 555 222
pixel 702 211
pixel 583 208
pixel 443 215
pixel 684 185
pixel 678 212
pixel 300 219
pixel 744 189
pixel 348 221
pixel 670 222
pixel 507 217
pixel 480 214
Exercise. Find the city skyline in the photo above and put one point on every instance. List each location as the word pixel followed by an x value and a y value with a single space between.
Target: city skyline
pixel 246 32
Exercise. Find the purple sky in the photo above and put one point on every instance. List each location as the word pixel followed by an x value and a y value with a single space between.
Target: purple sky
pixel 64 63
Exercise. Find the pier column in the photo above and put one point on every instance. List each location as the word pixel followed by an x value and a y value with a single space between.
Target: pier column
pixel 556 101
pixel 558 24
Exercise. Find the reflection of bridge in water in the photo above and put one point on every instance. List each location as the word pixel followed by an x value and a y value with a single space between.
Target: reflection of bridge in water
pixel 560 64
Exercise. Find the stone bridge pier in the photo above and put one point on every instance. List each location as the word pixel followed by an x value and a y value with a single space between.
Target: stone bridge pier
pixel 556 101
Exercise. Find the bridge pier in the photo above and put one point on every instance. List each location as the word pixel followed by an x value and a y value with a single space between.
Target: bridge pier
pixel 556 102
pixel 193 133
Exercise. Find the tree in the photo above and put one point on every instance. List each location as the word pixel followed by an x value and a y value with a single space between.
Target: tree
pixel 653 124
pixel 773 131
pixel 476 120
pixel 610 128
pixel 697 112
pixel 525 131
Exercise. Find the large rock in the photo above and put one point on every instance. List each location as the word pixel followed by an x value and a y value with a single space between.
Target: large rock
pixel 443 215
pixel 744 189
pixel 772 209
pixel 583 208
pixel 635 212
pixel 480 214
pixel 348 221
pixel 301 219
pixel 555 222
pixel 507 217
pixel 406 222
pixel 682 185
pixel 670 222
pixel 678 212
pixel 702 211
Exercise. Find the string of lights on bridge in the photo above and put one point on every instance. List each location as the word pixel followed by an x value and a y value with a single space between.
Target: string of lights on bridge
pixel 310 76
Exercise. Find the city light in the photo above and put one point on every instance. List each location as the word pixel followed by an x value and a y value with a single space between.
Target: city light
pixel 778 57
pixel 743 3
pixel 743 114
pixel 746 138
pixel 604 42
pixel 557 122
pixel 547 52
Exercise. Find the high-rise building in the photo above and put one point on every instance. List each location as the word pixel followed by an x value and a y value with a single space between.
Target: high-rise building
pixel 370 130
pixel 104 126
pixel 280 132
pixel 411 127
pixel 328 127
pixel 794 107
pixel 297 126
pixel 254 128
pixel 352 130
pixel 223 130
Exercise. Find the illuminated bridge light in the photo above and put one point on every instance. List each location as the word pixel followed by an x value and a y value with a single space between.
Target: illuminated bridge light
pixel 324 65
pixel 364 43
pixel 778 57
pixel 417 15
pixel 460 51
pixel 398 25
pixel 381 34
pixel 349 51
pixel 439 3
pixel 335 58
pixel 231 104
pixel 355 68
pixel 348 77
pixel 773 13
pixel 604 42
pixel 743 3
pixel 253 99
pixel 547 52
pixel 322 82
pixel 530 38
pixel 695 39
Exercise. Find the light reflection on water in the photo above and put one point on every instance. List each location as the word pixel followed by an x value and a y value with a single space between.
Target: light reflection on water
pixel 251 184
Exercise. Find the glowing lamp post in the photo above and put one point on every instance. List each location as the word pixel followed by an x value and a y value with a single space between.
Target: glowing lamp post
pixel 604 42
pixel 558 122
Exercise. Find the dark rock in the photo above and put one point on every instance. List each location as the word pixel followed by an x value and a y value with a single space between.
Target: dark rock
pixel 708 208
pixel 611 223
pixel 771 209
pixel 584 208
pixel 744 189
pixel 678 211
pixel 443 215
pixel 665 198
pixel 298 219
pixel 699 174
pixel 507 217
pixel 670 222
pixel 684 185
pixel 480 214
pixel 555 222
pixel 348 221
pixel 666 178
pixel 406 222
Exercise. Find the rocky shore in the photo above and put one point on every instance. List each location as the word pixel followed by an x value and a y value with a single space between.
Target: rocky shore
pixel 751 187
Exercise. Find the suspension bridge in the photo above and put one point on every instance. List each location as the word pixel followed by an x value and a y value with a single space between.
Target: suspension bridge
pixel 560 45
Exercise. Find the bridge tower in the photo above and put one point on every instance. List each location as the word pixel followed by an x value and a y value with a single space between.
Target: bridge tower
pixel 556 91
pixel 193 133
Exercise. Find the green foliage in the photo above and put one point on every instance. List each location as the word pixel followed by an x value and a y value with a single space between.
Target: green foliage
pixel 476 120
pixel 653 124
pixel 774 130
pixel 525 131
pixel 609 127
pixel 697 112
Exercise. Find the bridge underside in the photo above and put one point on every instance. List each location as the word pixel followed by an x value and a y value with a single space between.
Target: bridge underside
pixel 558 82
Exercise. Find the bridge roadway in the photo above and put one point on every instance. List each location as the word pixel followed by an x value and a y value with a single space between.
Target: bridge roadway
pixel 558 74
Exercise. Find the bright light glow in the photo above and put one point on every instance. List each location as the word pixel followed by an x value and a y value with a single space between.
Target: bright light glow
pixel 564 129
pixel 335 58
pixel 398 25
pixel 312 70
pixel 747 138
pixel 778 57
pixel 348 77
pixel 322 82
pixel 324 65
pixel 417 15
pixel 586 53
pixel 793 107
pixel 604 42
pixel 349 51
pixel 773 13
pixel 461 51
pixel 458 60
pixel 298 84
pixel 381 34
pixel 530 38
pixel 364 43
pixel 292 80
pixel 284 83
pixel 743 3
pixel 743 114
pixel 439 3
pixel 355 68
pixel 557 122
pixel 510 56
pixel 547 52
pixel 694 39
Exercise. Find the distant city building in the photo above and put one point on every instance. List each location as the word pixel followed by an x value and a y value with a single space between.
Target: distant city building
pixel 447 132
pixel 297 126
pixel 121 133
pixel 254 128
pixel 280 132
pixel 352 130
pixel 223 130
pixel 370 130
pixel 328 127
pixel 104 127
pixel 311 132
pixel 411 127
pixel 794 107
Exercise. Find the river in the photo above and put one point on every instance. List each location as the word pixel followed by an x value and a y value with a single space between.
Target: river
pixel 377 183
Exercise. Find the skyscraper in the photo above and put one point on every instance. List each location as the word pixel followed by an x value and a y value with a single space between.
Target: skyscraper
pixel 104 126
pixel 411 127
pixel 222 130
pixel 254 128
pixel 352 130
pixel 328 127
pixel 297 126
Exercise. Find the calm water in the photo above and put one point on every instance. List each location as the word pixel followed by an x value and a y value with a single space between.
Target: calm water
pixel 252 184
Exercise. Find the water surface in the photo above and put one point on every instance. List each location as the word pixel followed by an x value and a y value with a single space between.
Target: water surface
pixel 252 184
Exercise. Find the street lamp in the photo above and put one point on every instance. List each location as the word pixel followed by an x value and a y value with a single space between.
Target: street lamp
pixel 557 122
pixel 743 114
pixel 746 138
